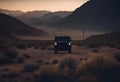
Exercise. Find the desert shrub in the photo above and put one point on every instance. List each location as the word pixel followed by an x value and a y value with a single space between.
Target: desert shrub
pixel 4 47
pixel 55 61
pixel 2 57
pixel 85 58
pixel 118 47
pixel 43 47
pixel 98 69
pixel 68 62
pixel 52 73
pixel 29 46
pixel 112 45
pixel 9 56
pixel 21 46
pixel 46 63
pixel 40 61
pixel 81 59
pixel 26 55
pixel 95 50
pixel 12 44
pixel 12 80
pixel 6 69
pixel 30 67
pixel 49 74
pixel 36 47
pixel 20 60
pixel 10 75
pixel 117 56
pixel 11 53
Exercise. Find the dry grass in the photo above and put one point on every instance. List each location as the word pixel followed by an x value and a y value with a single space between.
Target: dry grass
pixel 8 56
pixel 30 67
pixel 80 66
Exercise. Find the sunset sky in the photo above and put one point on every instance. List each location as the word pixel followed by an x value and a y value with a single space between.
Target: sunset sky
pixel 51 5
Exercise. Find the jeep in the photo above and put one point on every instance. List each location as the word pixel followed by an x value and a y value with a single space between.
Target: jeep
pixel 62 43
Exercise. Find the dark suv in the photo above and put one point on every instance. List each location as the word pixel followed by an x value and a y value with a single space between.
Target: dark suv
pixel 62 43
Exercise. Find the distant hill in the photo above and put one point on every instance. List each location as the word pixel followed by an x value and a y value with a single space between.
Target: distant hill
pixel 105 39
pixel 45 19
pixel 95 15
pixel 42 18
pixel 10 26
pixel 11 12
pixel 37 18
pixel 32 14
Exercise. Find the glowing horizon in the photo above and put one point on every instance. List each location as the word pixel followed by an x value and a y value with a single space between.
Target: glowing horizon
pixel 50 5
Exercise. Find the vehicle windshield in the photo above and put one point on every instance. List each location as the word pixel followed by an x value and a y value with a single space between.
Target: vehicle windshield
pixel 62 39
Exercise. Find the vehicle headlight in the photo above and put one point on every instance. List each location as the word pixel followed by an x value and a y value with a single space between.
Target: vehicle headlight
pixel 55 43
pixel 70 43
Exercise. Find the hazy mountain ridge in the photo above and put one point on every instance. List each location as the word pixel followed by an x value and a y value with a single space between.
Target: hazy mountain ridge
pixel 45 19
pixel 10 26
pixel 11 12
pixel 38 18
pixel 95 15
pixel 105 39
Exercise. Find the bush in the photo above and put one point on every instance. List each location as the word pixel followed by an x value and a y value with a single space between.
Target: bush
pixel 55 61
pixel 11 53
pixel 10 75
pixel 36 47
pixel 26 55
pixel 21 46
pixel 68 62
pixel 20 60
pixel 112 45
pixel 81 59
pixel 118 47
pixel 9 56
pixel 40 61
pixel 46 63
pixel 50 74
pixel 99 69
pixel 43 47
pixel 4 47
pixel 95 50
pixel 30 67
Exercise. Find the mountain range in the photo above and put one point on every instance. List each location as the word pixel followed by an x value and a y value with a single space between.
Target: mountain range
pixel 11 12
pixel 94 15
pixel 37 18
pixel 10 27
pixel 42 20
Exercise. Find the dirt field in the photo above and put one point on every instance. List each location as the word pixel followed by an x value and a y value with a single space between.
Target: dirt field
pixel 77 52
pixel 47 57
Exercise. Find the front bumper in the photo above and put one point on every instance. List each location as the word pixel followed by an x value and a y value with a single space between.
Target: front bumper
pixel 64 46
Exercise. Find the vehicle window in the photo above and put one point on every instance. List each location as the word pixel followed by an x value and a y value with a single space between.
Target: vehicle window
pixel 62 39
